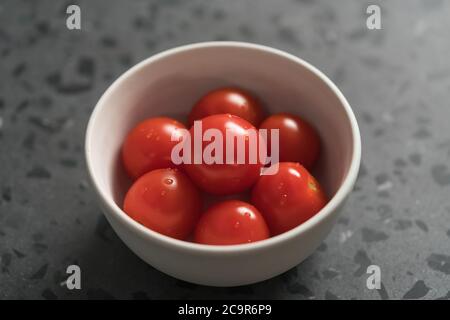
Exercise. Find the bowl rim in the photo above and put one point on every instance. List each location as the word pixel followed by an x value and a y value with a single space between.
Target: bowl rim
pixel 343 191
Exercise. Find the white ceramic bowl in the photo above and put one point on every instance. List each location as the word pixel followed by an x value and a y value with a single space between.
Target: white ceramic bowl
pixel 168 84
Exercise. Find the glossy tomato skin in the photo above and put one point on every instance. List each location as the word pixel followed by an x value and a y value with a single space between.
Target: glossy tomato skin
pixel 288 198
pixel 166 201
pixel 298 140
pixel 148 146
pixel 231 222
pixel 224 179
pixel 228 100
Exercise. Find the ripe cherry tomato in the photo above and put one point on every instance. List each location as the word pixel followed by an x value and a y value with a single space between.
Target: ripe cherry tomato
pixel 228 100
pixel 231 222
pixel 148 146
pixel 166 201
pixel 299 141
pixel 288 198
pixel 224 178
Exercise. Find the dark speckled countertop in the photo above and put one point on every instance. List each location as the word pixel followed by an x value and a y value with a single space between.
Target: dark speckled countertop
pixel 397 79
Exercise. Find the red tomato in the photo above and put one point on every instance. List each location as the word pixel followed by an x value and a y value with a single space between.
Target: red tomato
pixel 166 201
pixel 231 222
pixel 228 100
pixel 148 146
pixel 222 178
pixel 288 198
pixel 299 142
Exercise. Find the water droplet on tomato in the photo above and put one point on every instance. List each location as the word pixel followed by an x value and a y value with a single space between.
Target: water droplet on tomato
pixel 283 199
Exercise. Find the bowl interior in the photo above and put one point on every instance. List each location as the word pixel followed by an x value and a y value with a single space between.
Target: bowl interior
pixel 170 83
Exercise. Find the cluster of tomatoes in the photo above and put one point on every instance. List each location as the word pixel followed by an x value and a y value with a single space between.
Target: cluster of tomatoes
pixel 169 198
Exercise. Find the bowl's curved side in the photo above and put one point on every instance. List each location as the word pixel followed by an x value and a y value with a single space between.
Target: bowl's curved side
pixel 224 270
